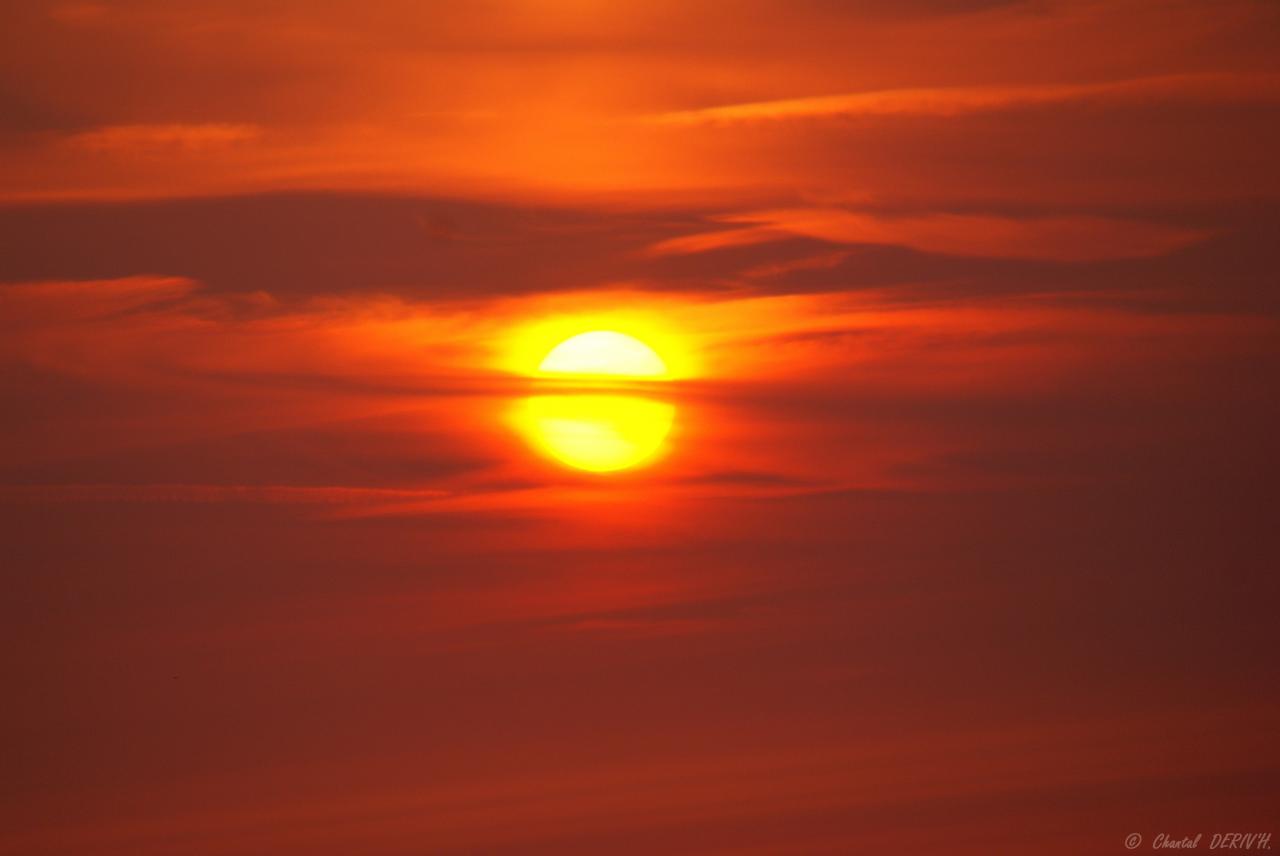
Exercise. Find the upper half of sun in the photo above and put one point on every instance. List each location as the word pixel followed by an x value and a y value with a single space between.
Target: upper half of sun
pixel 604 353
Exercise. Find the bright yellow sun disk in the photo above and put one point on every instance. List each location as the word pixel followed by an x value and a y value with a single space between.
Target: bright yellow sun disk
pixel 597 433
pixel 606 353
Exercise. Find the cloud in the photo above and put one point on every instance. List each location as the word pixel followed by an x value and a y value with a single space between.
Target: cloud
pixel 313 243
pixel 649 101
pixel 26 305
pixel 962 100
pixel 132 138
pixel 1051 238
pixel 206 493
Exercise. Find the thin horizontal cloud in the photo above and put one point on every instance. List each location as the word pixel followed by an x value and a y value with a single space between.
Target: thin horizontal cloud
pixel 961 100
pixel 162 333
pixel 147 329
pixel 1048 238
pixel 207 493
pixel 487 500
pixel 61 301
pixel 124 138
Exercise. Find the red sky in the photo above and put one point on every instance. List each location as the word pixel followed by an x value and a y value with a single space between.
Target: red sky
pixel 963 540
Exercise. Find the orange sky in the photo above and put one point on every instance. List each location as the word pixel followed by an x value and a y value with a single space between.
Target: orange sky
pixel 961 540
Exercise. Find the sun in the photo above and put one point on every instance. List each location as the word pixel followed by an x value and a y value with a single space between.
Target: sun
pixel 598 420
pixel 604 353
